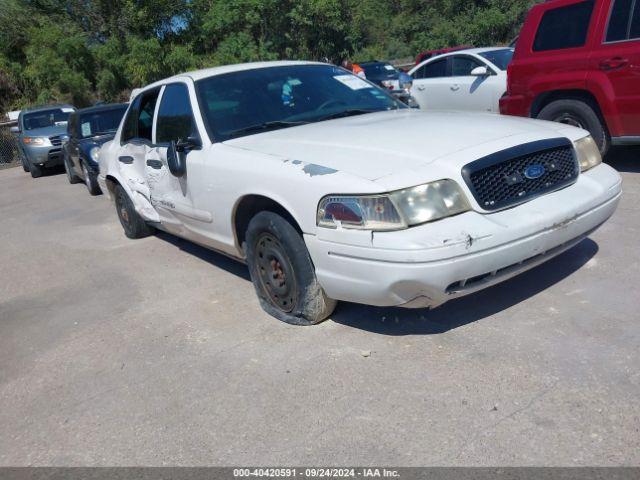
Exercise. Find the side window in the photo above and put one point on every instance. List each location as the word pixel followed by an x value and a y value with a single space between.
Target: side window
pixel 145 119
pixel 130 127
pixel 623 23
pixel 634 31
pixel 139 122
pixel 433 69
pixel 564 27
pixel 462 66
pixel 175 116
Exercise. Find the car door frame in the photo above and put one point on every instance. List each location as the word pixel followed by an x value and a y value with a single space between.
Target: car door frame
pixel 180 214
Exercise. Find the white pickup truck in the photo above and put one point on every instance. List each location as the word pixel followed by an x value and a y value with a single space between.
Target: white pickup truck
pixel 331 190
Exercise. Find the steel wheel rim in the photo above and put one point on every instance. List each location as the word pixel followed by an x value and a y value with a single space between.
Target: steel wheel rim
pixel 275 272
pixel 122 210
pixel 569 119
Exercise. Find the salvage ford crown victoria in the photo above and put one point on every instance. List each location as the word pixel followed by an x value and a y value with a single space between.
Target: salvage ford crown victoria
pixel 331 190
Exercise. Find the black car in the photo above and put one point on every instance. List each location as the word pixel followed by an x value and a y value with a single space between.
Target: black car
pixel 87 130
pixel 381 73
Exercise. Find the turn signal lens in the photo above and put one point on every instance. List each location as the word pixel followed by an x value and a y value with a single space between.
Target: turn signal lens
pixel 34 140
pixel 588 153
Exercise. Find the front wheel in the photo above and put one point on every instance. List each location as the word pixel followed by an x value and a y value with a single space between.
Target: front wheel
pixel 91 181
pixel 71 175
pixel 578 114
pixel 25 163
pixel 133 224
pixel 35 170
pixel 282 272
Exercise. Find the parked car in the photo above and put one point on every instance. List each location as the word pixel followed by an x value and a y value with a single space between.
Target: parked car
pixel 87 130
pixel 427 54
pixel 578 62
pixel 39 130
pixel 382 74
pixel 472 79
pixel 328 193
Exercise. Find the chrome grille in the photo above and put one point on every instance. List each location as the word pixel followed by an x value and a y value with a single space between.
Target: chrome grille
pixel 521 173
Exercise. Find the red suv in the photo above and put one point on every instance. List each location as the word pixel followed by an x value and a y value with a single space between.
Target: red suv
pixel 578 62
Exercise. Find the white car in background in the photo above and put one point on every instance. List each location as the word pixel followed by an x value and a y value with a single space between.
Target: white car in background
pixel 472 79
pixel 322 184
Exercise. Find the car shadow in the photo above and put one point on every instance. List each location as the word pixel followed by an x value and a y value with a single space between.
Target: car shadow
pixel 51 171
pixel 216 259
pixel 624 159
pixel 396 321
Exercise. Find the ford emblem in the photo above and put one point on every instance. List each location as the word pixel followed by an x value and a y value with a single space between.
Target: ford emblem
pixel 534 171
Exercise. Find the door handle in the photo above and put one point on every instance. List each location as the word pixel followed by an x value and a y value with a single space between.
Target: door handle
pixel 455 88
pixel 421 87
pixel 153 163
pixel 126 159
pixel 613 63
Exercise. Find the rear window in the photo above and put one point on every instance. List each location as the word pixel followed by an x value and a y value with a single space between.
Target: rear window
pixel 564 27
pixel 624 24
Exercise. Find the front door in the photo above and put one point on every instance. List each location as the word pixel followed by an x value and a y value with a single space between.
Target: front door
pixel 469 92
pixel 172 195
pixel 618 59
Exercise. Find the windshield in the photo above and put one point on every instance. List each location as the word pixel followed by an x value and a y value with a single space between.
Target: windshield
pixel 500 58
pixel 252 101
pixel 103 121
pixel 46 118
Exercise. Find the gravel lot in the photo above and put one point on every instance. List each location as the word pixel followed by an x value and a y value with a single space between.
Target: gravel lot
pixel 155 352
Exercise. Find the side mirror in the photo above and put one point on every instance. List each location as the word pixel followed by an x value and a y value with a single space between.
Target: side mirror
pixel 177 154
pixel 15 130
pixel 480 72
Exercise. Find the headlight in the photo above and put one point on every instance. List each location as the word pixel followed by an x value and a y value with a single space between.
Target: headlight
pixel 588 153
pixel 39 141
pixel 94 154
pixel 393 211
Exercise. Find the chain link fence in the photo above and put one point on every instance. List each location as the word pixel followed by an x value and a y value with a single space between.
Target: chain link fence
pixel 9 153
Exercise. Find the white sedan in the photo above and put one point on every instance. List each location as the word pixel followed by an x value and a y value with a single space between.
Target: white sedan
pixel 472 79
pixel 330 189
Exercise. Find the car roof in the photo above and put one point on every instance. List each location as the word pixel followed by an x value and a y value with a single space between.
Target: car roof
pixel 40 108
pixel 100 108
pixel 472 51
pixel 240 67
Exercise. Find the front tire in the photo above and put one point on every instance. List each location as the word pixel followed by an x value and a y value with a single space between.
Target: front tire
pixel 133 224
pixel 25 163
pixel 282 272
pixel 35 170
pixel 71 175
pixel 578 114
pixel 91 181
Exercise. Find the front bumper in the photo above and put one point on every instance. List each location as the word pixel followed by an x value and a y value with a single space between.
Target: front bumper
pixel 517 105
pixel 45 156
pixel 427 265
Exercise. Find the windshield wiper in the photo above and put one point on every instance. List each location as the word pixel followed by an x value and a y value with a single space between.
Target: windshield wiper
pixel 347 113
pixel 259 127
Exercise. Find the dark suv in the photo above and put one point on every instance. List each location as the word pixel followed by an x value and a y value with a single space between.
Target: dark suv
pixel 39 133
pixel 578 62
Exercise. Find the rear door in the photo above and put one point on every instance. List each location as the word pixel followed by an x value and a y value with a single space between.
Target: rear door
pixel 431 84
pixel 615 63
pixel 136 140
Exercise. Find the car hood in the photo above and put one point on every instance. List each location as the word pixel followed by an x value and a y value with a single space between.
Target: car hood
pixel 96 141
pixel 377 145
pixel 46 132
